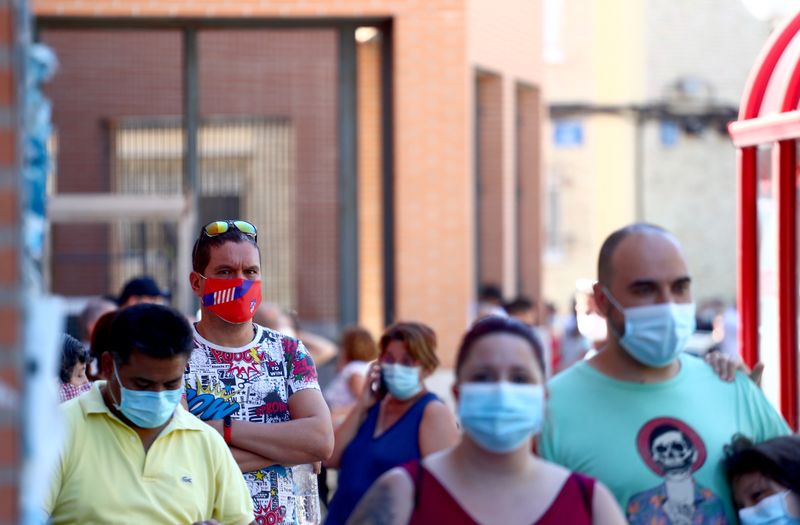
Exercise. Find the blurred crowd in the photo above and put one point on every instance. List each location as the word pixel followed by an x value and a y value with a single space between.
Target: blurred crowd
pixel 633 407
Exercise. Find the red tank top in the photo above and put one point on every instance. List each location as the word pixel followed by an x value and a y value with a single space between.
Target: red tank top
pixel 434 505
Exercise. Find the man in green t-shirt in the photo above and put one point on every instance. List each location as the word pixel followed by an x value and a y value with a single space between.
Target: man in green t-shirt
pixel 640 416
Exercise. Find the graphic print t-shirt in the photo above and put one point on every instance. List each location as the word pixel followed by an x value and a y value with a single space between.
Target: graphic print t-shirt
pixel 253 383
pixel 657 446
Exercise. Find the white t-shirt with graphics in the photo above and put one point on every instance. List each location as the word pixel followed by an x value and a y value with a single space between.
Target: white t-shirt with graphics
pixel 254 383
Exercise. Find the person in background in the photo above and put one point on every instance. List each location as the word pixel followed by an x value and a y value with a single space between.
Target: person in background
pixel 132 454
pixel 553 334
pixel 574 345
pixel 255 386
pixel 395 420
pixel 524 310
pixel 642 416
pixel 358 348
pixel 143 289
pixel 490 301
pixel 101 342
pixel 95 308
pixel 765 479
pixel 491 476
pixel 591 323
pixel 270 315
pixel 73 369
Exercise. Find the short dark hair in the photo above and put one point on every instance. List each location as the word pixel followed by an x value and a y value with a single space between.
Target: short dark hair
pixel 490 292
pixel 144 285
pixel 201 253
pixel 519 305
pixel 72 353
pixel 495 324
pixel 604 267
pixel 777 459
pixel 151 329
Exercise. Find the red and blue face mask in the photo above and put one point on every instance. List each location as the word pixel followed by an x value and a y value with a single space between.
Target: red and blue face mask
pixel 232 300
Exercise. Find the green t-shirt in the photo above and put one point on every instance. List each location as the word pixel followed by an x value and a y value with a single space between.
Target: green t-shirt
pixel 657 446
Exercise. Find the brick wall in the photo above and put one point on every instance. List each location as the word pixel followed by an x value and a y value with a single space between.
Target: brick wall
pixel 370 187
pixel 433 171
pixel 109 74
pixel 490 179
pixel 10 311
pixel 529 190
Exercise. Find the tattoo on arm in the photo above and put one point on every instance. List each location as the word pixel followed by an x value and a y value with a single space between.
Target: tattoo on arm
pixel 375 508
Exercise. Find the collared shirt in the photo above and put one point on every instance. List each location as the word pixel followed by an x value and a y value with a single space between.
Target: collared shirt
pixel 105 475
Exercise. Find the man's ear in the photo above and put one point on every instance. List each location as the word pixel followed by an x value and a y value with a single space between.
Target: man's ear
pixel 600 300
pixel 196 281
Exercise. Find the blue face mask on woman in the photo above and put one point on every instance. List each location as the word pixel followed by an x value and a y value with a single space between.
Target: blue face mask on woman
pixel 769 511
pixel 144 408
pixel 401 381
pixel 656 334
pixel 501 416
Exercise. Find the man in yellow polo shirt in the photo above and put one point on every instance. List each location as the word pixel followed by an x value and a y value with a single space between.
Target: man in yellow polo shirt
pixel 133 454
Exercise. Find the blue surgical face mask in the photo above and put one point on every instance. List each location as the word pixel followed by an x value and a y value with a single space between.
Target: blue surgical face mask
pixel 769 511
pixel 655 334
pixel 402 381
pixel 144 408
pixel 502 416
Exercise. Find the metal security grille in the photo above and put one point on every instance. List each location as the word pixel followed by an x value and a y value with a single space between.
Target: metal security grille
pixel 272 110
pixel 247 170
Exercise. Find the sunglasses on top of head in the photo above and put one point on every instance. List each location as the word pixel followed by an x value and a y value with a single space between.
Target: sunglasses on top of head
pixel 213 229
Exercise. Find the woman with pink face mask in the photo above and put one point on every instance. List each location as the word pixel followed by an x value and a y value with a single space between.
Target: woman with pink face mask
pixel 765 480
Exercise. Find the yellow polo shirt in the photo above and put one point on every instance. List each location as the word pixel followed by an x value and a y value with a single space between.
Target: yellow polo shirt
pixel 104 475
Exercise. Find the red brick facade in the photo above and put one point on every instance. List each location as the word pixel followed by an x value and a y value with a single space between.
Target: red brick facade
pixel 438 45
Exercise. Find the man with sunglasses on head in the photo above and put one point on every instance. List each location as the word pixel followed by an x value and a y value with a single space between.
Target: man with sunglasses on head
pixel 255 386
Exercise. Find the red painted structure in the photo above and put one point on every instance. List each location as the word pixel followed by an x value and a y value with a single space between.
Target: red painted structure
pixel 770 116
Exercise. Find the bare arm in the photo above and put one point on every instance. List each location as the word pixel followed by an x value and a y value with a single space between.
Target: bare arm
pixel 605 509
pixel 349 427
pixel 249 461
pixel 307 438
pixel 438 429
pixel 389 501
pixel 355 384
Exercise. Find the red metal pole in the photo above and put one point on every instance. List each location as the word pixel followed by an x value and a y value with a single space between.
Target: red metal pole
pixel 748 255
pixel 787 278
